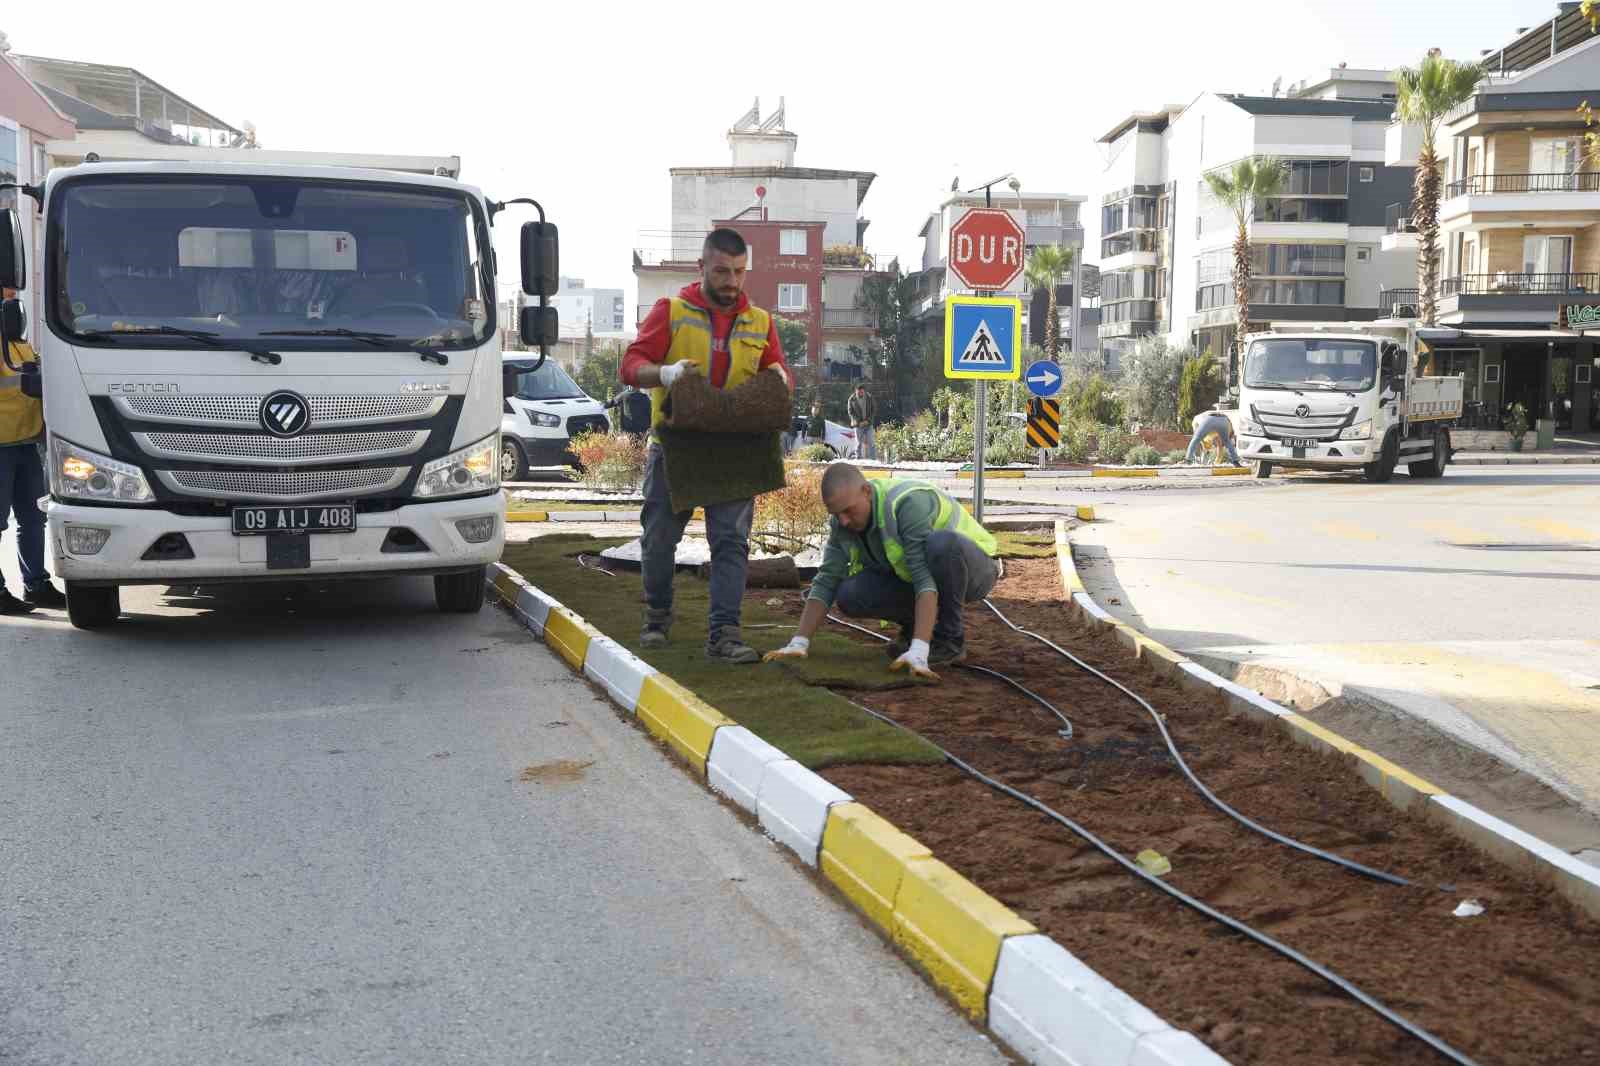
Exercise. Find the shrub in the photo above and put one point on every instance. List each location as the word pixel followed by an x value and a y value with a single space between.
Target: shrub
pixel 1151 377
pixel 1114 443
pixel 794 515
pixel 815 453
pixel 1174 457
pixel 609 462
pixel 1078 439
pixel 1092 398
pixel 1199 386
pixel 1142 455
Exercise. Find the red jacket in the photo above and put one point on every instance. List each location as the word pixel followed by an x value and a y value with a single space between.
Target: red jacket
pixel 655 337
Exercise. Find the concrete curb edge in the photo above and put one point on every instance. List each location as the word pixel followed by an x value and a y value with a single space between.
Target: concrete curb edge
pixel 1024 988
pixel 1576 880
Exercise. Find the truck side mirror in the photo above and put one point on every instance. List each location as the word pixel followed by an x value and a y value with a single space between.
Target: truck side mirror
pixel 508 381
pixel 540 326
pixel 13 260
pixel 13 320
pixel 541 259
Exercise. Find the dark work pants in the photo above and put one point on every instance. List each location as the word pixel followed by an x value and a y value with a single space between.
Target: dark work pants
pixel 22 482
pixel 963 573
pixel 727 528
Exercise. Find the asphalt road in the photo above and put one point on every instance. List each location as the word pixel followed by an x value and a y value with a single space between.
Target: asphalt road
pixel 337 827
pixel 1469 602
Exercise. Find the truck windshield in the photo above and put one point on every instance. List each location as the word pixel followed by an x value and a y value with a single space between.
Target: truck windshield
pixel 1311 363
pixel 549 382
pixel 294 263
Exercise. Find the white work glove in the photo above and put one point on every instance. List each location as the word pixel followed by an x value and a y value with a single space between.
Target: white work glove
pixel 795 649
pixel 673 371
pixel 916 660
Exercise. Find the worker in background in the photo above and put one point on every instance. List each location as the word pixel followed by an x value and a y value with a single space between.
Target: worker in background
pixel 22 481
pixel 1209 422
pixel 818 425
pixel 902 551
pixel 709 328
pixel 862 411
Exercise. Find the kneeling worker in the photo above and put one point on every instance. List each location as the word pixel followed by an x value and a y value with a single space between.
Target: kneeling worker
pixel 902 551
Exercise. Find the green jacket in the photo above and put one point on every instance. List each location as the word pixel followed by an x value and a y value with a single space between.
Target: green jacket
pixel 907 511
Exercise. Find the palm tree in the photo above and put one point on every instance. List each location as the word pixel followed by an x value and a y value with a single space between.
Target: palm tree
pixel 1241 187
pixel 1426 93
pixel 1046 266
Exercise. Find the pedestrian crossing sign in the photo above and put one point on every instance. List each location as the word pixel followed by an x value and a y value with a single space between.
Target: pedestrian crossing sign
pixel 982 338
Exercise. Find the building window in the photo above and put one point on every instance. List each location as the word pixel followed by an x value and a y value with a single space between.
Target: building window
pixel 1318 177
pixel 1297 260
pixel 791 297
pixel 1293 209
pixel 792 242
pixel 1208 296
pixel 1323 293
pixel 1364 175
pixel 1363 255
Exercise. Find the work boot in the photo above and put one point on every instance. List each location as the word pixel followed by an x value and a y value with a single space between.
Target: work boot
pixel 946 652
pixel 656 631
pixel 45 595
pixel 9 604
pixel 726 647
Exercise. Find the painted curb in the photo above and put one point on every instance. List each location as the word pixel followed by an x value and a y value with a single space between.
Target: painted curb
pixel 1574 879
pixel 1051 1008
pixel 957 934
pixel 1171 471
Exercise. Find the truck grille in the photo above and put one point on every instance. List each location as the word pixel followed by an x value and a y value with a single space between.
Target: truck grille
pixel 1323 425
pixel 245 410
pixel 261 449
pixel 587 424
pixel 277 485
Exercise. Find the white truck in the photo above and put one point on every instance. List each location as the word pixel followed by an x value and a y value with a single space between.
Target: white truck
pixel 284 370
pixel 1344 395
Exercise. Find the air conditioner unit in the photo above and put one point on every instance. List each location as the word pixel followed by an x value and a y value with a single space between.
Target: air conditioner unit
pixel 1403 311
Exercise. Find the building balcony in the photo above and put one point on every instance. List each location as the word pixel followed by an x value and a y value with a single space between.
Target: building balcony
pixel 1132 328
pixel 1505 297
pixel 1128 241
pixel 848 318
pixel 1558 194
pixel 1397 303
pixel 1399 229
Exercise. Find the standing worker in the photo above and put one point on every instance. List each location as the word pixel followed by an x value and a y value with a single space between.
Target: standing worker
pixel 902 551
pixel 863 412
pixel 22 482
pixel 709 328
pixel 1207 423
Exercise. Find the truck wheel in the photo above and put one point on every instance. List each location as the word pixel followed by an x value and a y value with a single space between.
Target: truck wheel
pixel 1383 469
pixel 459 593
pixel 1433 466
pixel 513 467
pixel 95 607
pixel 1263 469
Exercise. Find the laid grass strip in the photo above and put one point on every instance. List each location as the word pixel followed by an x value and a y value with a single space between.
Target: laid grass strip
pixel 813 725
pixel 1025 545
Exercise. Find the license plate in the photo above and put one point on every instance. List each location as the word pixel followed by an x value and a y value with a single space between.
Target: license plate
pixel 314 518
pixel 1300 442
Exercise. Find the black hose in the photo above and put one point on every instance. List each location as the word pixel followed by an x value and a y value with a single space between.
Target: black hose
pixel 1211 797
pixel 1132 867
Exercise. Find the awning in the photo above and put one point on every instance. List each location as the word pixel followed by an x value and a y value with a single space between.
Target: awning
pixel 1446 334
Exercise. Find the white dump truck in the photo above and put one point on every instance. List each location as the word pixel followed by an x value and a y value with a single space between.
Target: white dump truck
pixel 271 367
pixel 1344 395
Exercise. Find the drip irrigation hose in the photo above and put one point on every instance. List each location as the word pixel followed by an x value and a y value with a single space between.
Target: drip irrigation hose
pixel 1211 797
pixel 1065 732
pixel 1237 926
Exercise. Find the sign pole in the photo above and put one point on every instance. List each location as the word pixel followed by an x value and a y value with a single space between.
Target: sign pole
pixel 980 406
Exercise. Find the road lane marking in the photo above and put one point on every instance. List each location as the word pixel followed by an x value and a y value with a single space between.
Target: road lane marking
pixel 1550 527
pixel 1346 531
pixel 1453 532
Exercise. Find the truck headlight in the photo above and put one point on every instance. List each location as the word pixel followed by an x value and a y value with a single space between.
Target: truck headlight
pixel 539 418
pixel 1359 431
pixel 475 468
pixel 80 474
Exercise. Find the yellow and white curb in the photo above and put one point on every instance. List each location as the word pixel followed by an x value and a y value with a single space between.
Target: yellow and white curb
pixel 1031 992
pixel 1170 471
pixel 1578 881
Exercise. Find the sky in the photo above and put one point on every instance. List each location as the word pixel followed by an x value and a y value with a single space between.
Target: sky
pixel 585 106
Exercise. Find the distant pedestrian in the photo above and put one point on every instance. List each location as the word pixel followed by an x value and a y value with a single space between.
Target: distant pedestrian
pixel 22 482
pixel 1207 423
pixel 818 426
pixel 862 411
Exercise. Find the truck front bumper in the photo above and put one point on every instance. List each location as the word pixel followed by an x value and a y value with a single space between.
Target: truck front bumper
pixel 221 557
pixel 1334 454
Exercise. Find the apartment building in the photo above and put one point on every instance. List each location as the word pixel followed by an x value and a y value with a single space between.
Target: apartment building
pixel 584 309
pixel 1166 250
pixel 805 232
pixel 1518 219
pixel 29 121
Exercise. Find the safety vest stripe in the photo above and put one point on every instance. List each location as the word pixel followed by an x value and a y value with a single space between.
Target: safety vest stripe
pixel 10 383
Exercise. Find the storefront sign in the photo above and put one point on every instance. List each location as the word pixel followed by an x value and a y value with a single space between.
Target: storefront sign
pixel 1579 316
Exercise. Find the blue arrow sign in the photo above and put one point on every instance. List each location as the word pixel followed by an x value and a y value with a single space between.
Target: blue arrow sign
pixel 982 338
pixel 1043 378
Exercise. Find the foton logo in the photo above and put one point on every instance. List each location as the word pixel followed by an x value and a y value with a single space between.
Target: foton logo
pixel 284 414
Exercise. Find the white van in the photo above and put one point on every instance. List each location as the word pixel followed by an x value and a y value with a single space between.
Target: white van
pixel 542 415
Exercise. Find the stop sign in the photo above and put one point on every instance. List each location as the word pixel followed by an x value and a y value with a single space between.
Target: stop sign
pixel 986 248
